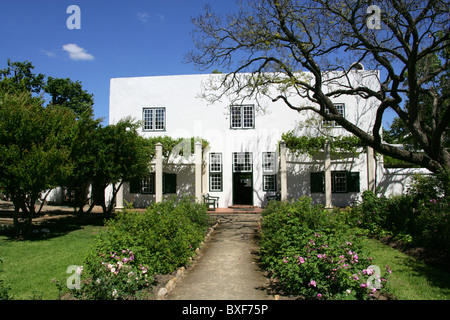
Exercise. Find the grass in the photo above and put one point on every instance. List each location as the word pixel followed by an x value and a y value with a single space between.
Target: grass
pixel 30 265
pixel 410 279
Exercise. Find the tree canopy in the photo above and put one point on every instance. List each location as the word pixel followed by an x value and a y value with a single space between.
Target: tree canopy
pixel 272 43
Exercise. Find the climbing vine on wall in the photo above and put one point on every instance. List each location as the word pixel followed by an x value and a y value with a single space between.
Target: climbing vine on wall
pixel 312 145
pixel 174 145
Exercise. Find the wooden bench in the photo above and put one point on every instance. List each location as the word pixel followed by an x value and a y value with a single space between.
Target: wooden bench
pixel 210 200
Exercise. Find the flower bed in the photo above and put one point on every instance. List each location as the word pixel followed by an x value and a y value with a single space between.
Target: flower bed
pixel 315 254
pixel 137 245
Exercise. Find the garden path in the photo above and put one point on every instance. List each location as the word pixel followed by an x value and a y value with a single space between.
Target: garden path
pixel 228 266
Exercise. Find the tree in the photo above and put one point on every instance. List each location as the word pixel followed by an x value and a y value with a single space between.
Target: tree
pixel 35 144
pixel 121 154
pixel 271 43
pixel 67 93
pixel 18 77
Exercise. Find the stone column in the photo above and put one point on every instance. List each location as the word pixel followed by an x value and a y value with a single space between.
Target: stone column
pixel 159 173
pixel 283 171
pixel 198 170
pixel 370 169
pixel 328 201
pixel 119 197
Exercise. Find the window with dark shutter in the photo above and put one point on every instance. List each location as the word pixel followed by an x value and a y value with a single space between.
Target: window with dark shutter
pixel 353 182
pixel 135 185
pixel 317 182
pixel 169 183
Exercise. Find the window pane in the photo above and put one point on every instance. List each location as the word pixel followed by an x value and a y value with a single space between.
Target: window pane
pixel 215 182
pixel 341 109
pixel 236 121
pixel 148 119
pixel 269 161
pixel 242 162
pixel 159 119
pixel 248 116
pixel 148 184
pixel 269 182
pixel 339 181
pixel 215 162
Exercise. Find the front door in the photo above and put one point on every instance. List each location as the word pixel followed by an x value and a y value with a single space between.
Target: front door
pixel 242 188
pixel 242 178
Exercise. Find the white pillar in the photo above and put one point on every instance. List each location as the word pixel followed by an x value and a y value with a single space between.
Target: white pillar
pixel 370 169
pixel 198 170
pixel 283 171
pixel 119 197
pixel 328 201
pixel 158 173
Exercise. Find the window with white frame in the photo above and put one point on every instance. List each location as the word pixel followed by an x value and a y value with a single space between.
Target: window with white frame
pixel 341 110
pixel 242 117
pixel 215 162
pixel 242 162
pixel 269 161
pixel 154 119
pixel 215 171
pixel 270 182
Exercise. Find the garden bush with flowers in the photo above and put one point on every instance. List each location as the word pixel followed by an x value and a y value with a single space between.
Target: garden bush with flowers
pixel 315 254
pixel 420 217
pixel 137 245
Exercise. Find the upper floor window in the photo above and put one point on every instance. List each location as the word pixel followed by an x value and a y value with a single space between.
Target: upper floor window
pixel 242 117
pixel 341 109
pixel 154 119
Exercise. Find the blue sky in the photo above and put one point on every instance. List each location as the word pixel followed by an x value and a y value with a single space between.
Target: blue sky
pixel 118 38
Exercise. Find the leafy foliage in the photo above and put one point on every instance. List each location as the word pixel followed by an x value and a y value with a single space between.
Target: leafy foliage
pixel 312 145
pixel 161 239
pixel 314 253
pixel 35 144
pixel 419 217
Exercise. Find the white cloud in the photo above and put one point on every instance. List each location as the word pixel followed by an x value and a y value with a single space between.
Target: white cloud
pixel 77 53
pixel 49 54
pixel 143 16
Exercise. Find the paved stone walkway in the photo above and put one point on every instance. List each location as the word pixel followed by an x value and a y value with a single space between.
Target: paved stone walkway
pixel 228 268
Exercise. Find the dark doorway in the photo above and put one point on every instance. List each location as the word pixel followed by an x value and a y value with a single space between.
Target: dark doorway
pixel 243 188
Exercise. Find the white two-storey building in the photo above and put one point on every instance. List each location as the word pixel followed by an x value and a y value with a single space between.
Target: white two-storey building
pixel 242 164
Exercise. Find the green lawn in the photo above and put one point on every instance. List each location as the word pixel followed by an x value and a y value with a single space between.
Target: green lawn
pixel 29 266
pixel 410 279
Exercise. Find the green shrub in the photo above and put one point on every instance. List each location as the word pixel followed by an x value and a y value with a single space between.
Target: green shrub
pixel 161 239
pixel 420 217
pixel 313 252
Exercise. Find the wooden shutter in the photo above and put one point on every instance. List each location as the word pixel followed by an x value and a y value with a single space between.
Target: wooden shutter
pixel 353 182
pixel 135 185
pixel 317 182
pixel 169 183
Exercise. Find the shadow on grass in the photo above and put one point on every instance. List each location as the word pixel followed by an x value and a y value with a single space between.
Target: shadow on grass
pixel 55 224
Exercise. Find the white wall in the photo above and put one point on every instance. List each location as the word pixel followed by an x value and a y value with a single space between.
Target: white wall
pixel 188 115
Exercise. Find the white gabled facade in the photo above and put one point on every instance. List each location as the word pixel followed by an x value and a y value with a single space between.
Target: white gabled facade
pixel 242 160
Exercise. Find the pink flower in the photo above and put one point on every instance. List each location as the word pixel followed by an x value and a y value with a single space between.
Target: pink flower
pixel 313 283
pixel 301 260
pixel 319 256
pixel 319 295
pixel 363 285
